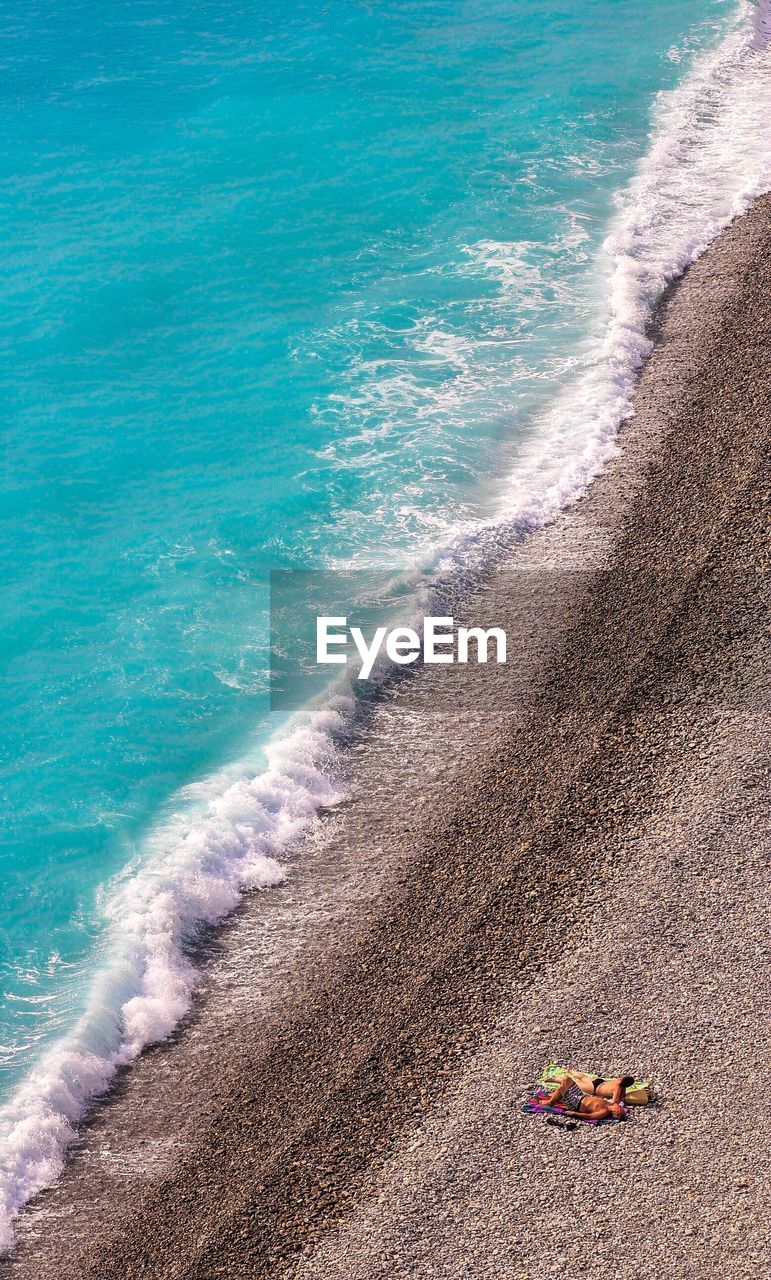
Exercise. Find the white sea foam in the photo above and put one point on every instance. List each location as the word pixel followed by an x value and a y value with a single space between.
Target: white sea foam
pixel 710 154
pixel 709 157
pixel 196 868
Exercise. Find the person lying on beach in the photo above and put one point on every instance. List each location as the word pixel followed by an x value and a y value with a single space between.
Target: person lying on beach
pixel 590 1098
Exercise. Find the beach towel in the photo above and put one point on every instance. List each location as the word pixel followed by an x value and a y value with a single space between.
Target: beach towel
pixel 534 1106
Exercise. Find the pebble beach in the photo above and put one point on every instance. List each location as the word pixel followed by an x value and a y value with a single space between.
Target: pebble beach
pixel 566 861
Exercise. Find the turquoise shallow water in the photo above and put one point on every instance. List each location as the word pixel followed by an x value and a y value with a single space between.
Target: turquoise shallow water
pixel 279 286
pixel 277 283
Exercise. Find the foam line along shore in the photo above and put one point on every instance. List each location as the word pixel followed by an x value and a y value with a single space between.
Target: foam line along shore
pixel 708 158
pixel 589 875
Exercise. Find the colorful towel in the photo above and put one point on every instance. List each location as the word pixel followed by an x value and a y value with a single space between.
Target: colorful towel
pixel 534 1106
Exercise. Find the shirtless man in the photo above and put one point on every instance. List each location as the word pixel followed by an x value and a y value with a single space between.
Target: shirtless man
pixel 590 1099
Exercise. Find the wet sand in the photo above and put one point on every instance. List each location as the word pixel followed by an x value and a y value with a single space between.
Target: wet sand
pixel 564 858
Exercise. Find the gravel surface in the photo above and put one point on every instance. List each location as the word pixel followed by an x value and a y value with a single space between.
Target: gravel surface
pixel 663 973
pixel 587 885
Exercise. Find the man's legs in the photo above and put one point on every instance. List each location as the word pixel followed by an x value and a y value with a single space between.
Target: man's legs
pixel 584 1082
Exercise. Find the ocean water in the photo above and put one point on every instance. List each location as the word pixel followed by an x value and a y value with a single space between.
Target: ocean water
pixel 286 286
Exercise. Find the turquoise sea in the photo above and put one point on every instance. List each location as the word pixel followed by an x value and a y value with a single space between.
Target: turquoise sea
pixel 285 285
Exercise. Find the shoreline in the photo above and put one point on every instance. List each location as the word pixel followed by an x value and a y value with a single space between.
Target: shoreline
pixel 302 1097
